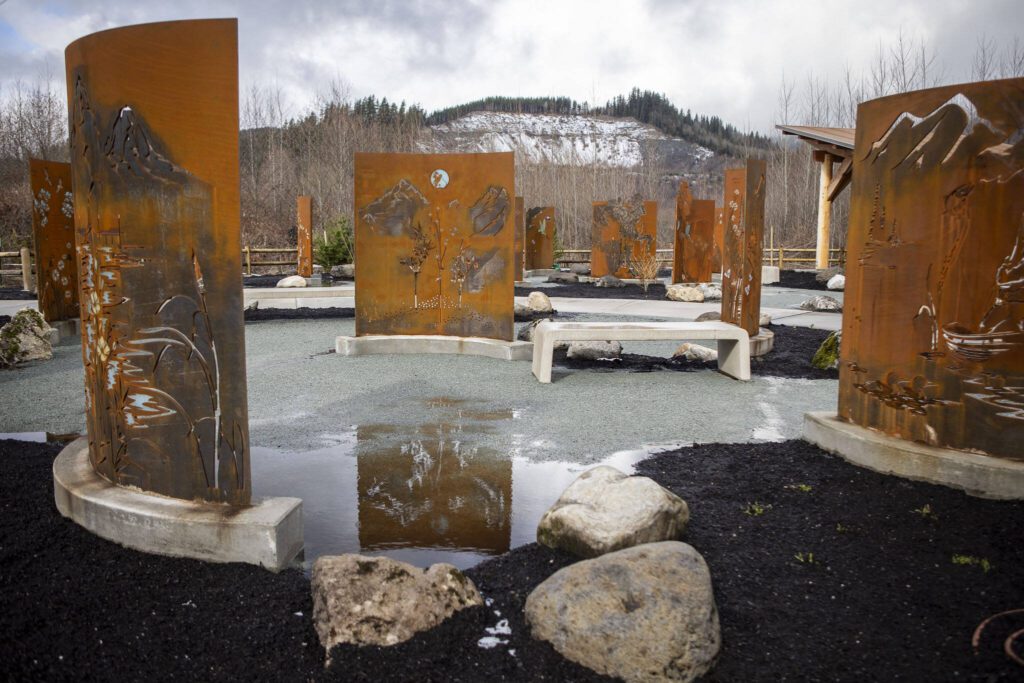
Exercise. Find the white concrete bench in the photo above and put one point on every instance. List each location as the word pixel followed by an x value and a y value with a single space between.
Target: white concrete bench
pixel 733 342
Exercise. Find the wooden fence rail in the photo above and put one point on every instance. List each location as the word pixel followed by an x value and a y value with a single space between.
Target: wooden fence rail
pixel 23 272
pixel 248 251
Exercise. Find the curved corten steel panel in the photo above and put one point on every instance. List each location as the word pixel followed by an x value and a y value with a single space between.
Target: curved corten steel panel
pixel 304 233
pixel 154 137
pixel 434 244
pixel 933 328
pixel 693 246
pixel 520 241
pixel 622 231
pixel 53 227
pixel 743 245
pixel 540 237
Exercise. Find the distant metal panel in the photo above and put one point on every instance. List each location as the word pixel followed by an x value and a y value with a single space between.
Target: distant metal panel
pixel 622 230
pixel 693 249
pixel 53 227
pixel 304 233
pixel 743 245
pixel 540 237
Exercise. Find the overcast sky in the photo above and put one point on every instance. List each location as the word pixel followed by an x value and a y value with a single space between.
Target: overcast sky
pixel 723 57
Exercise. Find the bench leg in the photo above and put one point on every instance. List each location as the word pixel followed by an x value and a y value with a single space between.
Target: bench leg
pixel 543 356
pixel 734 358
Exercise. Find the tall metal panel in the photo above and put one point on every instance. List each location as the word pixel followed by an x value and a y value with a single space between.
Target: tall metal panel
pixel 622 231
pixel 53 227
pixel 743 245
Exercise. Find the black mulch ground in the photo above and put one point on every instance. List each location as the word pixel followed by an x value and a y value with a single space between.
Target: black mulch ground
pixel 798 279
pixel 4 319
pixel 790 357
pixel 877 597
pixel 258 314
pixel 882 599
pixel 16 294
pixel 585 290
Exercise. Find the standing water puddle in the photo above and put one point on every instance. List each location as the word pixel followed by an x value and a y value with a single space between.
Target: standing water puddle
pixel 455 490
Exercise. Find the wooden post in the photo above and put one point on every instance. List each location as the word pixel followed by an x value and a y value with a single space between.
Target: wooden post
pixel 26 270
pixel 248 261
pixel 824 209
pixel 781 254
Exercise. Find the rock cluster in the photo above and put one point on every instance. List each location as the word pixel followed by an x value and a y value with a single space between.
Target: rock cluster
pixel 837 282
pixel 538 302
pixel 563 276
pixel 594 350
pixel 827 355
pixel 823 276
pixel 345 271
pixel 684 293
pixel 292 281
pixel 26 337
pixel 822 304
pixel 695 352
pixel 609 281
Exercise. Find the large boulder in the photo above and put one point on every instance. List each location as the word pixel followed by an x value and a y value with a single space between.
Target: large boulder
pixel 683 293
pixel 711 291
pixel 345 271
pixel 292 281
pixel 521 311
pixel 580 268
pixel 609 281
pixel 594 350
pixel 695 352
pixel 25 337
pixel 642 614
pixel 605 510
pixel 526 333
pixel 538 302
pixel 826 274
pixel 827 355
pixel 837 283
pixel 821 304
pixel 708 316
pixel 379 601
pixel 563 277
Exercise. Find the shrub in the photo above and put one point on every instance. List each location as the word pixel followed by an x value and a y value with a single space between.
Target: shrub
pixel 338 247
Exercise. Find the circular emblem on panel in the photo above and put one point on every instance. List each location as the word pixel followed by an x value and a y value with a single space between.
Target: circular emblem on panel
pixel 439 178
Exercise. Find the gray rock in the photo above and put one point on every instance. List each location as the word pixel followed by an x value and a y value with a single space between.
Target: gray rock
pixel 563 276
pixel 521 310
pixel 254 306
pixel 827 355
pixel 683 293
pixel 580 268
pixel 821 303
pixel 380 601
pixel 837 282
pixel 605 510
pixel 696 352
pixel 25 337
pixel 345 270
pixel 609 281
pixel 538 302
pixel 642 614
pixel 710 291
pixel 709 316
pixel 823 276
pixel 292 281
pixel 526 333
pixel 594 350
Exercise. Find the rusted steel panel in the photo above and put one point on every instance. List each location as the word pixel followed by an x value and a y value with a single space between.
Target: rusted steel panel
pixel 154 156
pixel 693 246
pixel 53 227
pixel 743 244
pixel 304 232
pixel 719 236
pixel 407 490
pixel 933 327
pixel 622 231
pixel 540 237
pixel 434 244
pixel 520 241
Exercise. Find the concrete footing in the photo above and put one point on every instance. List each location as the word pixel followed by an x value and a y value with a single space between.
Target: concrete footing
pixel 62 329
pixel 267 533
pixel 762 342
pixel 770 275
pixel 976 474
pixel 462 346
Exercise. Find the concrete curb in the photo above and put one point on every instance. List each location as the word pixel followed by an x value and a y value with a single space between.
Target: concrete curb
pixel 977 475
pixel 413 344
pixel 268 533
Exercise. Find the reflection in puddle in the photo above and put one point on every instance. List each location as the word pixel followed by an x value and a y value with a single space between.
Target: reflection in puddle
pixel 457 489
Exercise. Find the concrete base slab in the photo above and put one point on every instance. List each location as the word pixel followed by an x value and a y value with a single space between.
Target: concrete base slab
pixel 267 533
pixel 770 275
pixel 976 474
pixel 431 343
pixel 762 343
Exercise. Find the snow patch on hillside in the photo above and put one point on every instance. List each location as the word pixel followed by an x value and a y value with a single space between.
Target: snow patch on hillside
pixel 554 138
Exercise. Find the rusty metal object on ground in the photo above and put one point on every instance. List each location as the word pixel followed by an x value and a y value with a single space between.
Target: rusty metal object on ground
pixel 154 157
pixel 304 233
pixel 434 244
pixel 53 227
pixel 623 231
pixel 743 245
pixel 693 245
pixel 540 237
pixel 933 326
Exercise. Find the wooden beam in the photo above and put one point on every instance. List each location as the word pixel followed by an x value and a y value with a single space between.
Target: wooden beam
pixel 824 212
pixel 841 178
